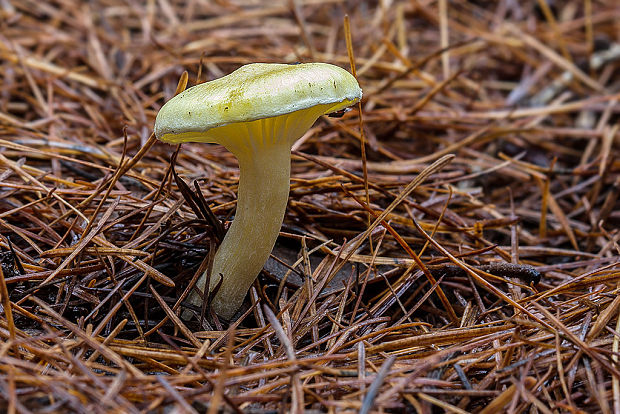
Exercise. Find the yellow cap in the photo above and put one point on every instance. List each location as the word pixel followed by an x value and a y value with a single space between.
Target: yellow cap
pixel 252 92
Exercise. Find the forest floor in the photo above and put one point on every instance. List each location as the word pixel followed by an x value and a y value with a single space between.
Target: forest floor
pixel 451 244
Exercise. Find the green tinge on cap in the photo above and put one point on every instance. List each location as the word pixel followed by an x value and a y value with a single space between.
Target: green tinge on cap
pixel 256 91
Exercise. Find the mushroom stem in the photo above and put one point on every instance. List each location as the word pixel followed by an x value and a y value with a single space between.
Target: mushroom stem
pixel 264 180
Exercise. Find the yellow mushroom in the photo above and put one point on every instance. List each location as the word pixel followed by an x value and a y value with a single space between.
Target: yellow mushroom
pixel 257 112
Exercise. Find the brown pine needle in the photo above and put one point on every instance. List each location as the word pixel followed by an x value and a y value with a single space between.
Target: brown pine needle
pixel 453 247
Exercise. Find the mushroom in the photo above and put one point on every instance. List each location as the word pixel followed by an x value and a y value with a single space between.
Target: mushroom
pixel 257 112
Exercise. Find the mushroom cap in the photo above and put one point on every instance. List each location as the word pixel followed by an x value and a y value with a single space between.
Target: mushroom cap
pixel 252 92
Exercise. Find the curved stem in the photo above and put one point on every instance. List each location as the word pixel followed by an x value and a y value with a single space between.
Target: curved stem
pixel 263 149
pixel 264 180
